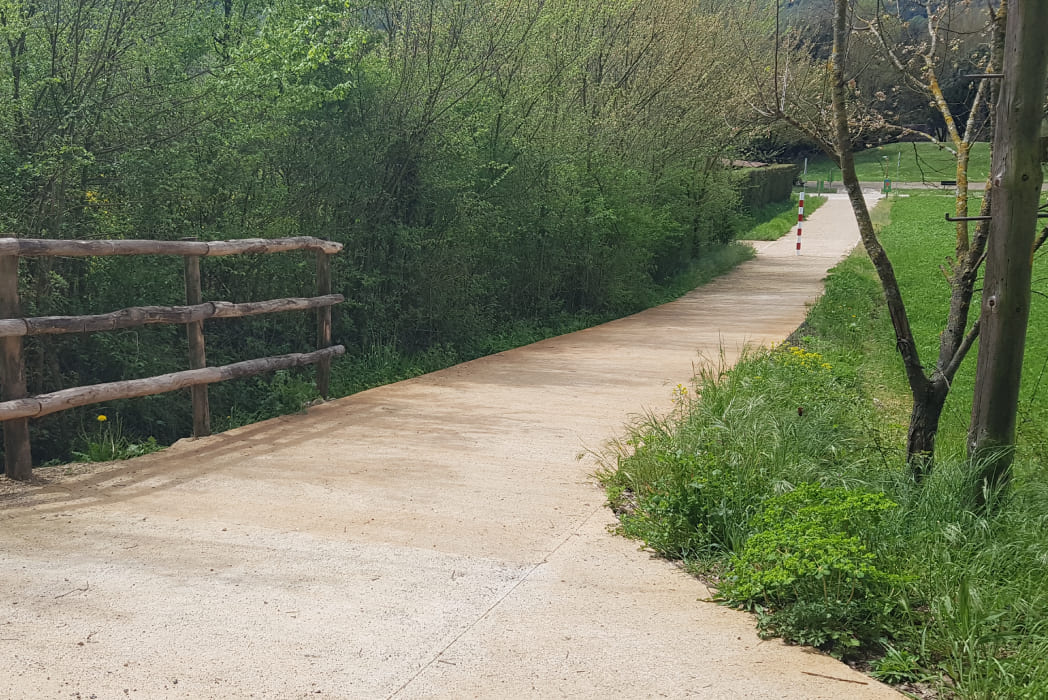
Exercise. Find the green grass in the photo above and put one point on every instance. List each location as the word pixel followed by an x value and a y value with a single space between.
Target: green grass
pixel 711 265
pixel 773 221
pixel 918 241
pixel 785 485
pixel 905 162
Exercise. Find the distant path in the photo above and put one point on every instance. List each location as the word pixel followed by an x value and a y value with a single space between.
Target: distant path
pixel 976 186
pixel 432 538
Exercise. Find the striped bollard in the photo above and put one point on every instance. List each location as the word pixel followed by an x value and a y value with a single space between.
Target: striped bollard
pixel 800 221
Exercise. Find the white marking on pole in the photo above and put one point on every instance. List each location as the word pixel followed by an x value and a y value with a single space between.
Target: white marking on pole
pixel 800 221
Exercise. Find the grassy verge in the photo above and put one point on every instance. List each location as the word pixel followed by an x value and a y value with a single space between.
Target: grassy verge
pixel 774 221
pixel 785 486
pixel 385 365
pixel 371 367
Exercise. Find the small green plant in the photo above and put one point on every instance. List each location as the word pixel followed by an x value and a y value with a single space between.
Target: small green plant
pixel 288 393
pixel 698 513
pixel 108 443
pixel 809 574
pixel 899 666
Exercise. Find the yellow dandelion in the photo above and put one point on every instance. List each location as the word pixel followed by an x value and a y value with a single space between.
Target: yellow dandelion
pixel 102 418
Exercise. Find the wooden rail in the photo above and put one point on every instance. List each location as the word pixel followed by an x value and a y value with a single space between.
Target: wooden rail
pixel 16 407
pixel 28 247
pixel 146 315
pixel 45 404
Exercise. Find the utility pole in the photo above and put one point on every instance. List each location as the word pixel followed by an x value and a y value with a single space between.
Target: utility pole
pixel 1015 191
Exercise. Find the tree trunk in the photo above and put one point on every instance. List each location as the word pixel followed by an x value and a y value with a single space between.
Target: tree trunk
pixel 1016 181
pixel 961 202
pixel 924 420
pixel 924 425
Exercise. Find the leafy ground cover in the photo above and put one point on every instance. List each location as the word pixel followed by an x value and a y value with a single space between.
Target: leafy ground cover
pixel 905 162
pixel 782 482
pixel 774 221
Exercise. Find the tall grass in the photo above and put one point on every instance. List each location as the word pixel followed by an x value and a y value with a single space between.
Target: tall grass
pixel 783 481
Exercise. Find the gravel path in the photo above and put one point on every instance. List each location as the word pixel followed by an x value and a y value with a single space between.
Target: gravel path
pixel 438 537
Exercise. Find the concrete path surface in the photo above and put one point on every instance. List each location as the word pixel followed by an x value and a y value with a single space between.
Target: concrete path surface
pixel 434 538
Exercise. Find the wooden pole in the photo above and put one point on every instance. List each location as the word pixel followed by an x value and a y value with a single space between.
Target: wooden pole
pixel 18 460
pixel 323 322
pixel 197 359
pixel 1006 297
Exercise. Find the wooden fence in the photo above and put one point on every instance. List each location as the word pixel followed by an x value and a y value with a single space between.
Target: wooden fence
pixel 16 407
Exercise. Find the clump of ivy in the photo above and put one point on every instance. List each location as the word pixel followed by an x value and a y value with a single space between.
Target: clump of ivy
pixel 810 575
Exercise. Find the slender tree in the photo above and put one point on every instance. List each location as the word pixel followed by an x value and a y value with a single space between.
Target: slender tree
pixel 798 98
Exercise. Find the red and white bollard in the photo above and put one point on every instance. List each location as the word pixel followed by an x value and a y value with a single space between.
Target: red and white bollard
pixel 800 221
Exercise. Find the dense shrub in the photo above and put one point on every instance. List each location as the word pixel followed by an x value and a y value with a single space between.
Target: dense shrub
pixel 482 174
pixel 764 185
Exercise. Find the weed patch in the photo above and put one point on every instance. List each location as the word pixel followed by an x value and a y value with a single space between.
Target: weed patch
pixel 108 442
pixel 809 572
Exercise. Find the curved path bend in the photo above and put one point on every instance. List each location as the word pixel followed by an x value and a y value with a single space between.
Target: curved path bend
pixel 438 537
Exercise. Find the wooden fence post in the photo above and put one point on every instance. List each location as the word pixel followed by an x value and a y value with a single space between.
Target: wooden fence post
pixel 197 358
pixel 18 460
pixel 323 322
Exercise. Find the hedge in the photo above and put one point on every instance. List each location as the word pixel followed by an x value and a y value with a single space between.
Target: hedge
pixel 764 185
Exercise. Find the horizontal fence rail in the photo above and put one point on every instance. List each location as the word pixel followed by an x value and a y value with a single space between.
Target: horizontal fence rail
pixel 17 407
pixel 46 404
pixel 37 247
pixel 146 315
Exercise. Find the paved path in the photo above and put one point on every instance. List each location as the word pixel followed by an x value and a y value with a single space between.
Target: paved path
pixel 433 538
pixel 974 186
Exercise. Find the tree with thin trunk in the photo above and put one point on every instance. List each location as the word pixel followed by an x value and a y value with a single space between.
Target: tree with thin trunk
pixel 836 127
